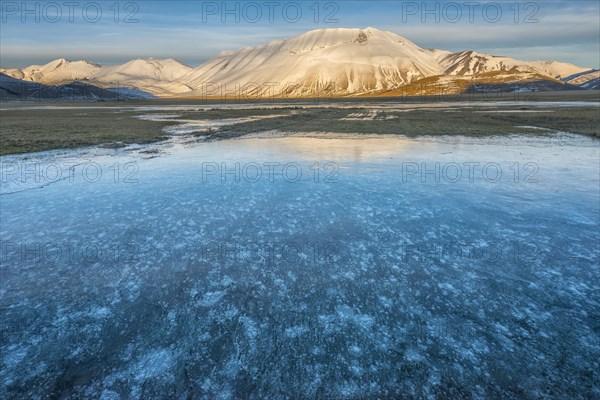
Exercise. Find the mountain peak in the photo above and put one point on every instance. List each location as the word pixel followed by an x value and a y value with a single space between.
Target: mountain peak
pixel 329 38
pixel 57 63
pixel 347 33
pixel 65 63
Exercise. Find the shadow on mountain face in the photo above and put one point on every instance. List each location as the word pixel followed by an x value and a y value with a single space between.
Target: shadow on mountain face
pixel 12 89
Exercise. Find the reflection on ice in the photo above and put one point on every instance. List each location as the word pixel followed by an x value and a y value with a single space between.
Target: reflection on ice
pixel 188 126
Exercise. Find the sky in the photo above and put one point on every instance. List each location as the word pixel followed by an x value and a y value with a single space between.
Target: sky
pixel 193 31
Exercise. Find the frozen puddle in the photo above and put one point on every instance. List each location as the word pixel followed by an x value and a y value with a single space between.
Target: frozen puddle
pixel 312 266
pixel 158 117
pixel 188 126
pixel 369 116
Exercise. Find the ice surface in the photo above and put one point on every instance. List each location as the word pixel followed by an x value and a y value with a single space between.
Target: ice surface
pixel 364 285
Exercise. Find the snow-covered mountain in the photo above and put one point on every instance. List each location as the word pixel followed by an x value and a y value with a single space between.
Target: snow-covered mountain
pixel 330 62
pixel 54 72
pixel 157 77
pixel 161 70
pixel 333 61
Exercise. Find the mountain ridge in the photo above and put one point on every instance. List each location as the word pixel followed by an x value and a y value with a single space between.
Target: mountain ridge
pixel 333 61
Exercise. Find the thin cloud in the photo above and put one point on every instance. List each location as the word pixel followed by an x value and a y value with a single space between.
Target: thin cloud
pixel 568 31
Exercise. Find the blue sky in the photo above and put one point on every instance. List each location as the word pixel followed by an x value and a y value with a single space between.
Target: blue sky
pixel 194 31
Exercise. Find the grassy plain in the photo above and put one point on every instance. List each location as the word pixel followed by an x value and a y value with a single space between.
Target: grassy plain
pixel 33 126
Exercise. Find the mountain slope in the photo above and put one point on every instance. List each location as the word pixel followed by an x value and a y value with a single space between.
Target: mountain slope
pixel 556 69
pixel 586 79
